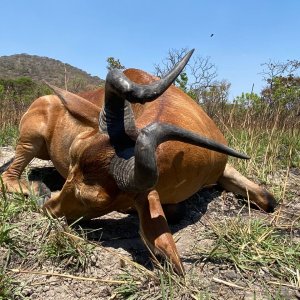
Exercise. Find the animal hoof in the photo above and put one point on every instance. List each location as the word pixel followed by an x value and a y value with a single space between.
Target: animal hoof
pixel 270 202
pixel 43 193
pixel 42 200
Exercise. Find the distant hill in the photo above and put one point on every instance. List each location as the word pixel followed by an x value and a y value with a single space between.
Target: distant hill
pixel 40 68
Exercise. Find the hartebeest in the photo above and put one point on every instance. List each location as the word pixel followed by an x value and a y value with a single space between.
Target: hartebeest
pixel 139 142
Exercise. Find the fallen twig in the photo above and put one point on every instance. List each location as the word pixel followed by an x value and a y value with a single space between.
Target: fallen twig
pixel 215 279
pixel 66 276
pixel 283 284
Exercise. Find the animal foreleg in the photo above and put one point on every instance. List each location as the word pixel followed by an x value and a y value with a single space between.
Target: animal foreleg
pixel 12 176
pixel 154 228
pixel 233 181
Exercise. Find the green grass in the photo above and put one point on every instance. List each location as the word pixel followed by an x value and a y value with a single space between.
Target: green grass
pixel 63 245
pixel 10 288
pixel 8 135
pixel 271 152
pixel 12 240
pixel 131 289
pixel 11 206
pixel 57 241
pixel 6 286
pixel 253 244
pixel 268 152
pixel 164 285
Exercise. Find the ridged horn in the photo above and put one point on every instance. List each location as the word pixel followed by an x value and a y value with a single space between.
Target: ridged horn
pixel 117 84
pixel 119 88
pixel 139 172
pixel 116 117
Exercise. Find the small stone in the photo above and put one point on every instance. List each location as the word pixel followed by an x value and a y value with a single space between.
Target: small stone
pixel 93 259
pixel 51 293
pixel 230 274
pixel 34 296
pixel 88 290
pixel 261 272
pixel 249 296
pixel 27 292
pixel 46 288
pixel 286 293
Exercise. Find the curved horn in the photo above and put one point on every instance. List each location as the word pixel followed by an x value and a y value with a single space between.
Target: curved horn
pixel 117 84
pixel 116 117
pixel 139 172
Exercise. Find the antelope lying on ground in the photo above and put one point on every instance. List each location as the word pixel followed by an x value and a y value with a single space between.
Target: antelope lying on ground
pixel 139 142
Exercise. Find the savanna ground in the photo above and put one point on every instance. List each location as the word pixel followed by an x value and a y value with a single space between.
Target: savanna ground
pixel 230 250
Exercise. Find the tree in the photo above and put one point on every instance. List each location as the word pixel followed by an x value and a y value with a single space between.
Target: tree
pixel 215 97
pixel 247 100
pixel 274 69
pixel 114 63
pixel 197 76
pixel 77 84
pixel 285 93
pixel 283 85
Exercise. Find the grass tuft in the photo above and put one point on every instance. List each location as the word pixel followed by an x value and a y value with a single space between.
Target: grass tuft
pixel 11 206
pixel 6 286
pixel 253 244
pixel 62 245
pixel 130 290
pixel 10 288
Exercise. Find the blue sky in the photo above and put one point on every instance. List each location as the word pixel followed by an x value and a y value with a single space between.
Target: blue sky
pixel 140 33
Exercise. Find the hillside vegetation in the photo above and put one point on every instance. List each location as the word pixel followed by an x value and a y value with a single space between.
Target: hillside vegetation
pixel 43 68
pixel 21 81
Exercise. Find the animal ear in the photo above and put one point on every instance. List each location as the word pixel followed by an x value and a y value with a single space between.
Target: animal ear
pixel 77 106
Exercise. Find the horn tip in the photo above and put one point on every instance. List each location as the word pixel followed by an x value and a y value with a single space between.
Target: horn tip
pixel 188 56
pixel 190 53
pixel 245 156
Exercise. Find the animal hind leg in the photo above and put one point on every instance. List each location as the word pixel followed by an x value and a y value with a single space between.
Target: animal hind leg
pixel 233 181
pixel 154 228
